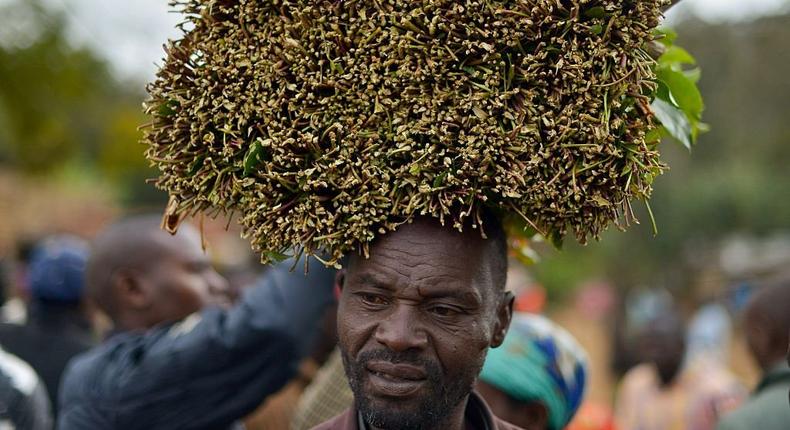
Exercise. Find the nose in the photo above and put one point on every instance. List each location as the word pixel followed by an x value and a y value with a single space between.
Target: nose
pixel 400 330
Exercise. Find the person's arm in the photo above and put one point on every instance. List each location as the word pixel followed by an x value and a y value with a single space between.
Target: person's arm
pixel 214 367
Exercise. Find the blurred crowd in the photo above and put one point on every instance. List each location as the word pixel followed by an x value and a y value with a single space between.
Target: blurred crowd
pixel 138 325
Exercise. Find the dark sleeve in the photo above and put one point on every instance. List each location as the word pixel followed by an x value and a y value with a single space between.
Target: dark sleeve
pixel 24 403
pixel 212 368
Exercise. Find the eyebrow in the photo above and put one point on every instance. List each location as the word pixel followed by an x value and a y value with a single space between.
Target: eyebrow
pixel 436 292
pixel 427 290
pixel 370 280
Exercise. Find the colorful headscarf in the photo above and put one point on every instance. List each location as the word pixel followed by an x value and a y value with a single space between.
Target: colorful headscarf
pixel 541 362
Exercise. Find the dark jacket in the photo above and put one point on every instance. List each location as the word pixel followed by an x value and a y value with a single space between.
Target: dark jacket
pixel 768 408
pixel 23 398
pixel 205 372
pixel 51 337
pixel 478 415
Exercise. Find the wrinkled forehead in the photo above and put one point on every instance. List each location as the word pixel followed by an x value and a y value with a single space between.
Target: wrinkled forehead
pixel 426 255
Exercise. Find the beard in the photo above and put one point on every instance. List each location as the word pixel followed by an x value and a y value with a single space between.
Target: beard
pixel 423 413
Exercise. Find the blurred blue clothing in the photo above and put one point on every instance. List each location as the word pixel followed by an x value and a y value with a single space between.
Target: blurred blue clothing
pixel 57 327
pixel 57 269
pixel 709 334
pixel 204 372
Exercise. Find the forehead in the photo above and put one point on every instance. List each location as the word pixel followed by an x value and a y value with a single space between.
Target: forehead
pixel 425 256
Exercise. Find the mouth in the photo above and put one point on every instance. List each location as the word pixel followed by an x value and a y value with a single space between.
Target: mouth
pixel 395 380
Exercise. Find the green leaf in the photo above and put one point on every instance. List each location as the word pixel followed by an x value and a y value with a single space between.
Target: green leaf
pixel 196 165
pixel 667 36
pixel 252 159
pixel 168 108
pixel 655 134
pixel 675 56
pixel 415 169
pixel 276 256
pixel 556 239
pixel 684 92
pixel 596 29
pixel 694 74
pixel 438 181
pixel 663 93
pixel 674 121
pixel 595 12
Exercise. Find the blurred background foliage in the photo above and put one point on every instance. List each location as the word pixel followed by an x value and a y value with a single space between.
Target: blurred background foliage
pixel 64 116
pixel 734 182
pixel 62 109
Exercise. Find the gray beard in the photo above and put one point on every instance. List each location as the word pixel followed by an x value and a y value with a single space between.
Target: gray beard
pixel 431 411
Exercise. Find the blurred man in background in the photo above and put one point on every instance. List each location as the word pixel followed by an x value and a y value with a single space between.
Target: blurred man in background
pixel 663 394
pixel 182 356
pixel 767 327
pixel 58 325
pixel 17 292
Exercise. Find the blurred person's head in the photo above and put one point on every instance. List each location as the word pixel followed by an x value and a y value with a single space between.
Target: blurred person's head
pixel 536 379
pixel 416 318
pixel 141 276
pixel 767 324
pixel 662 342
pixel 56 270
pixel 20 279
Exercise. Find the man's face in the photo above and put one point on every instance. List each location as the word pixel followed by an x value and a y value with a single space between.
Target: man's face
pixel 415 321
pixel 181 280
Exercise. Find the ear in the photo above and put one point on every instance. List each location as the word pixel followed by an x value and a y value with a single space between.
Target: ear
pixel 538 415
pixel 131 290
pixel 504 316
pixel 340 279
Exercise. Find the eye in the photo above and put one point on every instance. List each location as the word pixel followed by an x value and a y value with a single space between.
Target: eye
pixel 444 310
pixel 372 299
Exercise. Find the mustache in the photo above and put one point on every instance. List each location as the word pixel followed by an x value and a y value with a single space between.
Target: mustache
pixel 432 368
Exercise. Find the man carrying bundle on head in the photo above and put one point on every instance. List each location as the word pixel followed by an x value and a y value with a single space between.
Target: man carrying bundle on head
pixel 410 137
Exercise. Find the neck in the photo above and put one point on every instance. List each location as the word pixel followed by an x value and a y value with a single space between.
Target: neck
pixel 57 313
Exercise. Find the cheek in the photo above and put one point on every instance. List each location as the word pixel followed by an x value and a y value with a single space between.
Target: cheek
pixel 353 329
pixel 190 291
pixel 462 348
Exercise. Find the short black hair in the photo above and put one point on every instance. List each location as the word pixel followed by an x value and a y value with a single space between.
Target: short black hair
pixel 496 240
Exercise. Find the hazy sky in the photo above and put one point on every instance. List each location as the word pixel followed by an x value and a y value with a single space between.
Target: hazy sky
pixel 130 33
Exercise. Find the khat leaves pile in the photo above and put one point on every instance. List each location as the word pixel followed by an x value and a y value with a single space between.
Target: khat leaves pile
pixel 326 123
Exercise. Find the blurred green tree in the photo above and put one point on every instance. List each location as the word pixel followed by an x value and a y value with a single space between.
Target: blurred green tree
pixel 61 104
